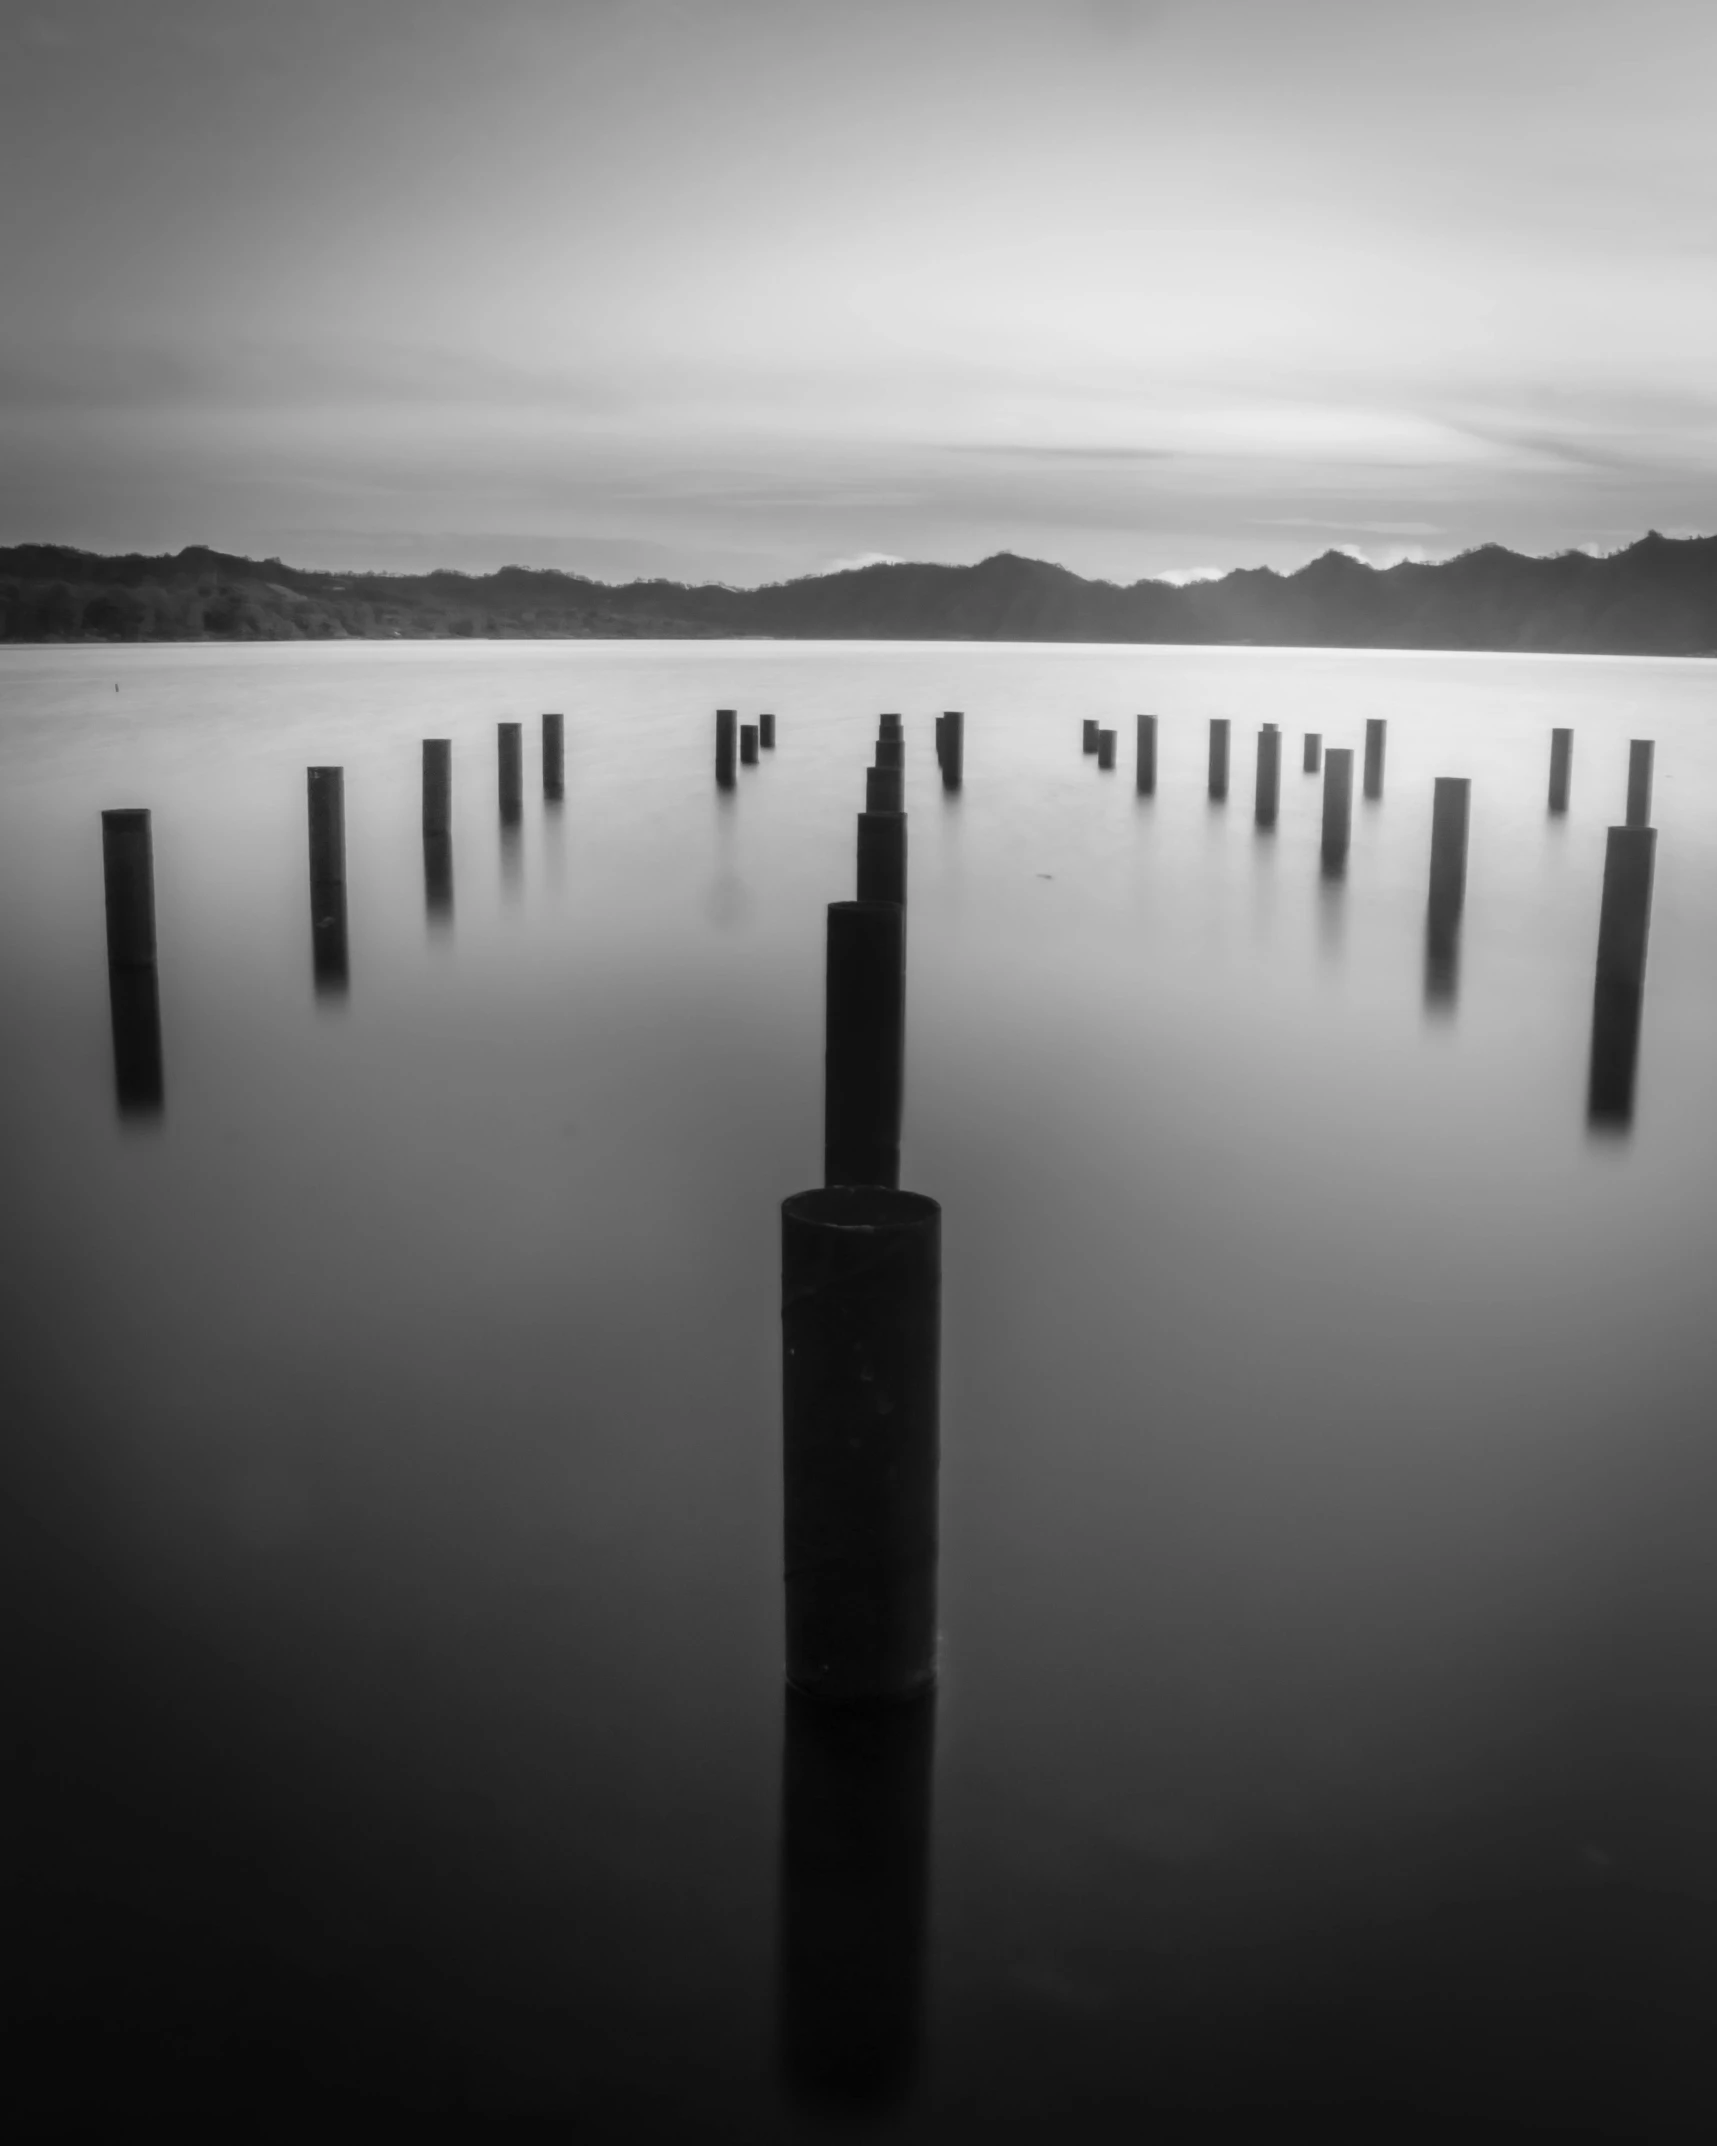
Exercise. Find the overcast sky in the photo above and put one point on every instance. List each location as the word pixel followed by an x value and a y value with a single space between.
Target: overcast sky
pixel 737 289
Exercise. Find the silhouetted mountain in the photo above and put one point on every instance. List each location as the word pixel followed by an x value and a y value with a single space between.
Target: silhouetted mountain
pixel 1658 597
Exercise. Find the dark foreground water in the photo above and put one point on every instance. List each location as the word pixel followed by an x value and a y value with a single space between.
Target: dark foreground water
pixel 1327 1740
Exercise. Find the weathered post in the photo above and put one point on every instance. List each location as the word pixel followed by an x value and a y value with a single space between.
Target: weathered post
pixel 726 722
pixel 554 758
pixel 437 786
pixel 864 1043
pixel 134 1002
pixel 1375 730
pixel 860 1326
pixel 882 857
pixel 1450 798
pixel 1145 763
pixel 510 770
pixel 891 752
pixel 1088 735
pixel 1312 757
pixel 953 755
pixel 1640 753
pixel 890 726
pixel 941 726
pixel 1267 787
pixel 1338 806
pixel 1561 766
pixel 884 790
pixel 1618 987
pixel 128 885
pixel 766 732
pixel 1219 757
pixel 748 744
pixel 1624 917
pixel 328 952
pixel 1106 750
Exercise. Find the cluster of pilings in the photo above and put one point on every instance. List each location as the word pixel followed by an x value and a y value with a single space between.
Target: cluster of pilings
pixel 752 738
pixel 861 1345
pixel 860 1297
pixel 1629 856
pixel 128 866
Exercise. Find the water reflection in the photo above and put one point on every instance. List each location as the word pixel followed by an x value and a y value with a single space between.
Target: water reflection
pixel 1442 954
pixel 854 1887
pixel 138 1081
pixel 1616 1009
pixel 328 953
pixel 512 857
pixel 438 879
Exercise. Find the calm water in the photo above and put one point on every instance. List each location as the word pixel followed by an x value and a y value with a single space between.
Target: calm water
pixel 1327 1743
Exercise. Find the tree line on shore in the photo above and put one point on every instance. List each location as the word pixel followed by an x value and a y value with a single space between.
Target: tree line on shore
pixel 1656 597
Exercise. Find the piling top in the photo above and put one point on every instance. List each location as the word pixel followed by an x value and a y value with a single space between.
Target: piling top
pixel 861 1209
pixel 127 819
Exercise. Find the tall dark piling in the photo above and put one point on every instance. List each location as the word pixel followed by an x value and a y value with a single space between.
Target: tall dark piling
pixel 1375 732
pixel 1106 750
pixel 1088 735
pixel 437 786
pixel 860 1329
pixel 326 787
pixel 941 728
pixel 510 769
pixel 1218 783
pixel 1640 754
pixel 856 1787
pixel 1145 758
pixel 328 951
pixel 864 1043
pixel 726 739
pixel 1618 987
pixel 554 758
pixel 891 752
pixel 134 999
pixel 748 744
pixel 1338 807
pixel 128 884
pixel 1624 917
pixel 1268 786
pixel 882 857
pixel 1450 799
pixel 1561 767
pixel 890 726
pixel 953 753
pixel 766 732
pixel 884 790
pixel 1312 757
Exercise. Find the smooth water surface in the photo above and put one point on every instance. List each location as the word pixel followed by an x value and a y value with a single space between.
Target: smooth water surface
pixel 1327 1740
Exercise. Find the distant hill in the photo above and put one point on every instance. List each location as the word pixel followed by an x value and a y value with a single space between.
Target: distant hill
pixel 1658 597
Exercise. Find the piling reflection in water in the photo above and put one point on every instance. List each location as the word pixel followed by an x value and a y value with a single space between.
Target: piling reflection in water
pixel 138 1081
pixel 330 965
pixel 852 1909
pixel 438 879
pixel 1616 1009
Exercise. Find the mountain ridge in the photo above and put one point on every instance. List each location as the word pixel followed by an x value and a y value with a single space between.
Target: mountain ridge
pixel 1656 596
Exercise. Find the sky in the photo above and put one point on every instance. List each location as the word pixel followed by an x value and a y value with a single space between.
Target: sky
pixel 741 289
